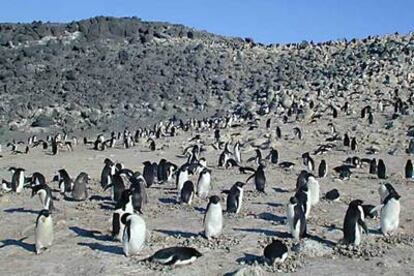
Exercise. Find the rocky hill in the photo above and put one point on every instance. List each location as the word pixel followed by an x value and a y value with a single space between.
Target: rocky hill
pixel 107 72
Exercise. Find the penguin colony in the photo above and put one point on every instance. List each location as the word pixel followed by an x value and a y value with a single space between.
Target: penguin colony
pixel 192 182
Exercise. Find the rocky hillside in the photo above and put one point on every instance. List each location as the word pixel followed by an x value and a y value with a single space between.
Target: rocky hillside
pixel 108 72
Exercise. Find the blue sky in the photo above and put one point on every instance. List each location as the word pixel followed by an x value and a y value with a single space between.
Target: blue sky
pixel 267 21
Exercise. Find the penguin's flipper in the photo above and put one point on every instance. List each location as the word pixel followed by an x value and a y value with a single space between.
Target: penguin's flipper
pixel 376 209
pixel 363 225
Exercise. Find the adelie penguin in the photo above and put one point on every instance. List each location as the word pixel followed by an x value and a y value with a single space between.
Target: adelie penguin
pixel 149 173
pixel 323 169
pixel 134 234
pixel 347 141
pixel 409 169
pixel 354 223
pixel 275 253
pixel 373 166
pixel 296 218
pixel 43 231
pixel 390 213
pixel 213 219
pixel 354 144
pixel 259 179
pixel 18 179
pixel 237 153
pixel 107 172
pixel 174 256
pixel 381 169
pixel 332 195
pixel 187 192
pixel 45 195
pixel 273 156
pixel 235 198
pixel 80 189
pixel 182 177
pixel 204 183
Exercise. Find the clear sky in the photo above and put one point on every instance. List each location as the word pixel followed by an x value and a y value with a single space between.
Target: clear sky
pixel 267 21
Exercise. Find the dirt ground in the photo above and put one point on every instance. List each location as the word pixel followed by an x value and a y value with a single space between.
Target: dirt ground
pixel 83 246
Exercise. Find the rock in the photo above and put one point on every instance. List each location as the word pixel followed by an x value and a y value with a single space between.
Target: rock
pixel 313 249
pixel 42 121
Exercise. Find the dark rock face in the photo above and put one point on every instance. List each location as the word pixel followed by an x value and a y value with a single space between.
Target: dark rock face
pixel 106 71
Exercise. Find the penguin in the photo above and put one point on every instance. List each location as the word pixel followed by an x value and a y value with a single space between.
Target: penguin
pixel 332 195
pixel 213 219
pixel 45 195
pixel 278 132
pixel 347 141
pixel 161 171
pixel 224 156
pixel 182 177
pixel 139 195
pixel 302 179
pixel 297 133
pixel 204 183
pixel 381 169
pixel 275 253
pixel 236 152
pixel 134 234
pixel 18 179
pixel 286 165
pixel 235 198
pixel 314 189
pixel 65 183
pixel 117 226
pixel 354 144
pixel 373 166
pixel 296 218
pixel 390 214
pixel 409 169
pixel 259 179
pixel 268 122
pixel 175 256
pixel 107 172
pixel 303 197
pixel 323 169
pixel 273 156
pixel 43 231
pixel 149 173
pixel 354 223
pixel 117 186
pixel 80 191
pixel 187 192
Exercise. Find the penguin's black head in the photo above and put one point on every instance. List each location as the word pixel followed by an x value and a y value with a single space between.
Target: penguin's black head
pixel 356 203
pixel 44 213
pixel 240 184
pixel 214 199
pixel 108 161
pixel 147 163
pixel 293 200
pixel 305 155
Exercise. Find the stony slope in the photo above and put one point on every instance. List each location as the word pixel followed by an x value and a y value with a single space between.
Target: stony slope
pixel 106 72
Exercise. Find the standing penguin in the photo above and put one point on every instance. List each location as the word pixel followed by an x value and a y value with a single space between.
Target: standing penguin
pixel 303 197
pixel 18 179
pixel 296 218
pixel 204 183
pixel 213 219
pixel 43 231
pixel 409 169
pixel 117 226
pixel 323 169
pixel 149 173
pixel 275 253
pixel 354 144
pixel 182 177
pixel 354 223
pixel 187 192
pixel 259 179
pixel 80 190
pixel 390 214
pixel 347 141
pixel 373 166
pixel 65 183
pixel 134 234
pixel 236 152
pixel 107 172
pixel 273 156
pixel 45 195
pixel 381 169
pixel 278 132
pixel 384 190
pixel 235 198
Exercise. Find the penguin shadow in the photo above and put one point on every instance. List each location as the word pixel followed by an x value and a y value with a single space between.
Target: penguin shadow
pixel 107 206
pixel 249 259
pixel 271 217
pixel 321 240
pixel 167 200
pixel 271 204
pixel 99 198
pixel 18 243
pixel 200 209
pixel 266 232
pixel 280 190
pixel 21 210
pixel 97 235
pixel 175 233
pixel 102 247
